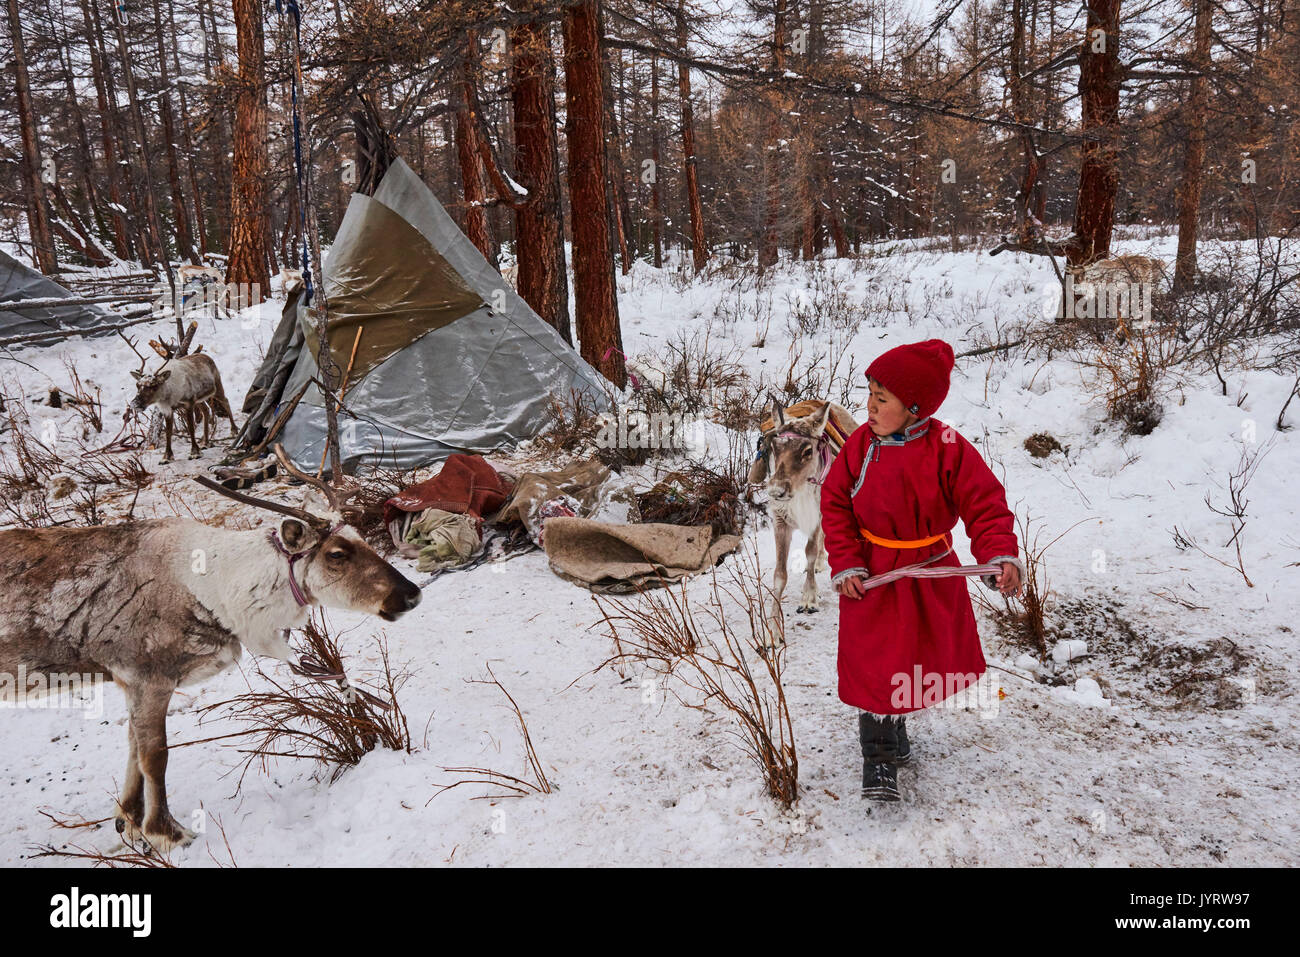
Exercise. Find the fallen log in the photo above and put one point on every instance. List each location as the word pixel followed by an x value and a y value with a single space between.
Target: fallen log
pixel 21 305
pixel 69 333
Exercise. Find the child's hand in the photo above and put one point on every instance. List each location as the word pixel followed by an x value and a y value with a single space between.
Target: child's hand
pixel 1009 581
pixel 851 587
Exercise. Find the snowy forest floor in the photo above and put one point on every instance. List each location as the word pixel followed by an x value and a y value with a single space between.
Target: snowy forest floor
pixel 1189 758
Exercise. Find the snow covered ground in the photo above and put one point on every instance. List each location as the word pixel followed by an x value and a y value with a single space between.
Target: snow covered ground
pixel 1181 750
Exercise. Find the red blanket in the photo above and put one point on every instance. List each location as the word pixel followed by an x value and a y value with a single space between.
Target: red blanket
pixel 466 485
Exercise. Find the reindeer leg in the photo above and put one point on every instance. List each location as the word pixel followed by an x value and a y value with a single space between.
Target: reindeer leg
pixel 171 421
pixel 149 727
pixel 225 409
pixel 129 812
pixel 812 554
pixel 782 531
pixel 195 451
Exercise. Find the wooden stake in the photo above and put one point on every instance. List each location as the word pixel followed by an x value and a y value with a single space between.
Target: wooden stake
pixel 343 390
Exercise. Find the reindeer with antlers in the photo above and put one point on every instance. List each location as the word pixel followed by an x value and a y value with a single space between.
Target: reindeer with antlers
pixel 159 604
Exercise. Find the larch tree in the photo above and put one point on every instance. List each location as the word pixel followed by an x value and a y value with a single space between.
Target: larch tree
pixel 248 171
pixel 599 336
pixel 539 223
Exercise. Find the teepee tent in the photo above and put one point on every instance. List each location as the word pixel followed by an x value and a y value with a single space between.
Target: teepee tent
pixel 19 282
pixel 438 352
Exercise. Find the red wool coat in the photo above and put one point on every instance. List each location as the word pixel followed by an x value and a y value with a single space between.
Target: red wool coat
pixel 913 642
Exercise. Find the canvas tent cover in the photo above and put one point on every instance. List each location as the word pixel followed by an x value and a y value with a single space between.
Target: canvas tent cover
pixel 448 358
pixel 18 281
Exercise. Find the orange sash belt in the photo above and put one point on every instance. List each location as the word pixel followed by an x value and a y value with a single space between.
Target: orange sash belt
pixel 900 543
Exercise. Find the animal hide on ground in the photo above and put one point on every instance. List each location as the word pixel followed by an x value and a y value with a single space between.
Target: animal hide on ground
pixel 616 559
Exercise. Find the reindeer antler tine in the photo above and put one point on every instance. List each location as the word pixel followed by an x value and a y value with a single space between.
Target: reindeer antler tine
pixel 331 494
pixel 299 513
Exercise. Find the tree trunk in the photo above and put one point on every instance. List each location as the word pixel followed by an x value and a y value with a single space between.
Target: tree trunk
pixel 180 215
pixel 1189 192
pixel 471 170
pixel 220 134
pixel 75 232
pixel 699 248
pixel 539 224
pixel 187 142
pixel 614 164
pixel 656 200
pixel 1099 85
pixel 38 214
pixel 158 243
pixel 775 108
pixel 85 157
pixel 1025 229
pixel 248 204
pixel 599 335
pixel 107 124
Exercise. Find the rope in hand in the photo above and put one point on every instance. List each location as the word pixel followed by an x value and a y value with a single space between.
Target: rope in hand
pixel 921 570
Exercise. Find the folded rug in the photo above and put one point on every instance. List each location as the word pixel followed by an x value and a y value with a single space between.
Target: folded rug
pixel 625 558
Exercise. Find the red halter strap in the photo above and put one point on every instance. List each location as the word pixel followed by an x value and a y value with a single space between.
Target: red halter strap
pixel 293 557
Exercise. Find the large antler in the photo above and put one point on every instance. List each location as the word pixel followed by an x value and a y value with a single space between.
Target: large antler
pixel 315 521
pixel 337 498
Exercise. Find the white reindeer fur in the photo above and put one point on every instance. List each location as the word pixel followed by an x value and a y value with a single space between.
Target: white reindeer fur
pixel 245 584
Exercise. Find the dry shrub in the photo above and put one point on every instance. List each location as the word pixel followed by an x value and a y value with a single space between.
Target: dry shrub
pixel 145 855
pixel 827 301
pixel 1042 444
pixel 573 424
pixel 366 513
pixel 1234 510
pixel 1132 369
pixel 323 718
pixel 33 476
pixel 515 786
pixel 89 408
pixel 713 650
pixel 1028 624
pixel 696 495
pixel 826 372
pixel 1240 298
pixel 692 378
pixel 24 479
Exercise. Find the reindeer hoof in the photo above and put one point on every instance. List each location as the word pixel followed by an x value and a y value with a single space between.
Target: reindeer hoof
pixel 807 610
pixel 165 460
pixel 196 455
pixel 168 837
pixel 128 829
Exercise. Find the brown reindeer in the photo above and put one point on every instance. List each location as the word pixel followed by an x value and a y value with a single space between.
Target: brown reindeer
pixel 798 446
pixel 188 384
pixel 154 605
pixel 1116 288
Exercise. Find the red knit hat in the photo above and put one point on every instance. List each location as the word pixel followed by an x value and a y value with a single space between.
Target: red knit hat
pixel 917 373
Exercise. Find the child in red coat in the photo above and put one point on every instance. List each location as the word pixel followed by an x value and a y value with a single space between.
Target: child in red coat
pixel 891 499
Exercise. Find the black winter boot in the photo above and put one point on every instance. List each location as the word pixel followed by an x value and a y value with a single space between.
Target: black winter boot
pixel 879 739
pixel 904 746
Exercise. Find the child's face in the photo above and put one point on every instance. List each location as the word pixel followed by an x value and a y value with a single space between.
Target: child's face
pixel 886 412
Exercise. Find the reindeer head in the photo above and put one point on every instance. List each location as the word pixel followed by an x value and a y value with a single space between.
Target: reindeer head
pixel 148 387
pixel 336 568
pixel 339 570
pixel 792 451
